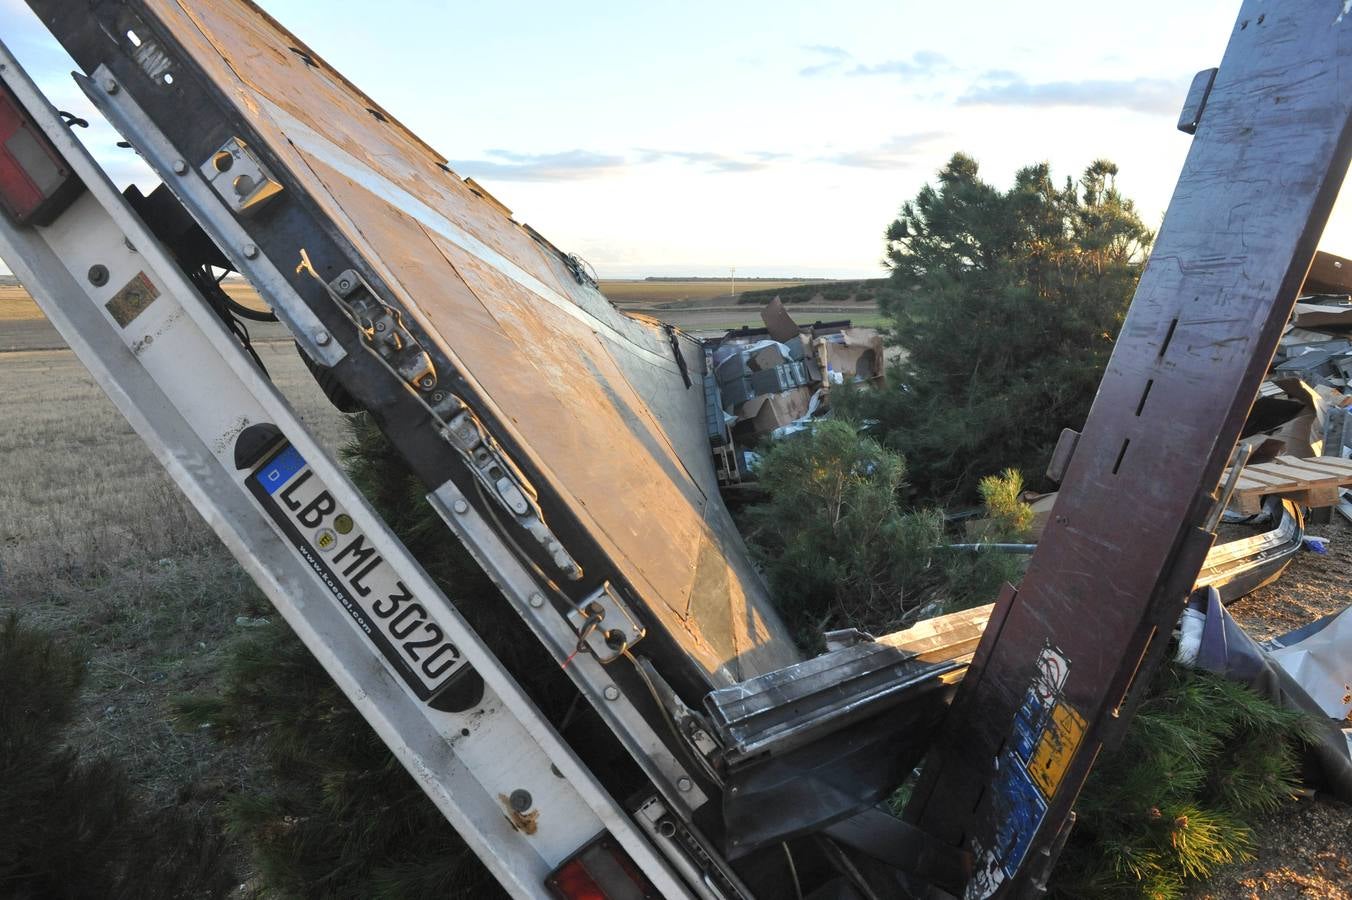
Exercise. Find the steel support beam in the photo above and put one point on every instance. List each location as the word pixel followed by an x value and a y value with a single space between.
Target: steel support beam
pixel 1055 680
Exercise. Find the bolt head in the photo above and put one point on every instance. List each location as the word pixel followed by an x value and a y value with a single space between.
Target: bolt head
pixel 684 784
pixel 521 800
pixel 611 692
pixel 98 275
pixel 322 338
pixel 536 601
pixel 460 506
pixel 251 251
pixel 109 84
pixel 180 167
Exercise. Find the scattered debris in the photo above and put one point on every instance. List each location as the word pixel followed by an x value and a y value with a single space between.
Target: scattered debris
pixel 774 381
pixel 1309 668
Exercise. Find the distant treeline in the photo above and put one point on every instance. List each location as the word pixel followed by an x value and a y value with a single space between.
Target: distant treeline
pixel 864 290
pixel 684 278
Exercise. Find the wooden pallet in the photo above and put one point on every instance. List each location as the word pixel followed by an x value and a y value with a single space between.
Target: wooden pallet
pixel 1311 482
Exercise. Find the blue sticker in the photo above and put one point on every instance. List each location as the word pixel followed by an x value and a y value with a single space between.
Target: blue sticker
pixel 278 472
pixel 1028 723
pixel 1019 809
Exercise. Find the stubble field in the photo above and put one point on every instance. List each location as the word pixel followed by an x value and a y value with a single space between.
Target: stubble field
pixel 99 548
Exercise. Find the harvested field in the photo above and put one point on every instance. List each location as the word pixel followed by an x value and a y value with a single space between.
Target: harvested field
pixel 641 292
pixel 97 546
pixel 22 326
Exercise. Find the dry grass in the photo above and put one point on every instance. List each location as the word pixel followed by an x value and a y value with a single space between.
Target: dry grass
pixel 98 547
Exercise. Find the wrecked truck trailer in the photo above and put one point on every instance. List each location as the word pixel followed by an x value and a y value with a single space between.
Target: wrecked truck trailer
pixel 566 445
pixel 561 441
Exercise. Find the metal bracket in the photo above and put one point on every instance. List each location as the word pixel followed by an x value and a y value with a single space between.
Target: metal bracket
pixel 384 335
pixel 686 849
pixel 505 482
pixel 1238 460
pixel 203 203
pixel 239 178
pixel 617 629
pixel 1065 449
pixel 1195 103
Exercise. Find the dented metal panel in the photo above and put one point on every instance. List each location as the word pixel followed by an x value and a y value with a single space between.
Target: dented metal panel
pixel 592 402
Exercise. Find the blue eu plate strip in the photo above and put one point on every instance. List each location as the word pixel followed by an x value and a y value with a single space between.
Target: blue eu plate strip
pixel 280 470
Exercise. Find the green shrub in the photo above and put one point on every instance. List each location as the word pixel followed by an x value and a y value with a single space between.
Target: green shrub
pixel 1009 516
pixel 1176 800
pixel 341 819
pixel 839 549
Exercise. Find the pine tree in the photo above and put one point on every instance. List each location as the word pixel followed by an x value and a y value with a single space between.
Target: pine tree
pixel 1006 304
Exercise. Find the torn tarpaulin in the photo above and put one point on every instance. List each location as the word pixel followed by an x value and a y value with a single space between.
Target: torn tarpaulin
pixel 1289 670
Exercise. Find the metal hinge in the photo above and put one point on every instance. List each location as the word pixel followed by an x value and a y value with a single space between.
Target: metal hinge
pixel 1198 93
pixel 606 625
pixel 382 327
pixel 504 482
pixel 385 337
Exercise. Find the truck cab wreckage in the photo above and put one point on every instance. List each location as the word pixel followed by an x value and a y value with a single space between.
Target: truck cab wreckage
pixel 568 446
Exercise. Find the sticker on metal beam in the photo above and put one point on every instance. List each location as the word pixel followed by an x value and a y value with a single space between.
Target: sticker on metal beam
pixel 132 300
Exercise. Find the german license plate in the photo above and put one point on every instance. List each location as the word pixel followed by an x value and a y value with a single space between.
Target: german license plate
pixel 360 579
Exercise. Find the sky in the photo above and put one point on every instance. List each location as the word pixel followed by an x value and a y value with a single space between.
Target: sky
pixel 778 138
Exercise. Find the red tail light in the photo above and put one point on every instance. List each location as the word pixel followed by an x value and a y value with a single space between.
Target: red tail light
pixel 35 182
pixel 601 871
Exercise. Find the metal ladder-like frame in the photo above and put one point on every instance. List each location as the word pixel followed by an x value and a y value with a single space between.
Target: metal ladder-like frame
pixel 498 771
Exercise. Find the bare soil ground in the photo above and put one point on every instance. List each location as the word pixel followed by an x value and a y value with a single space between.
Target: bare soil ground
pixel 1305 849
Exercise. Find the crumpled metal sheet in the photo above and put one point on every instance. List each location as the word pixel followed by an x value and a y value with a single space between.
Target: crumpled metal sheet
pixel 1319 658
pixel 1227 649
pixel 595 397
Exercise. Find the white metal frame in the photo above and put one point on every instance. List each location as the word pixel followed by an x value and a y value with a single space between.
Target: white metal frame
pixel 187 387
pixel 669 774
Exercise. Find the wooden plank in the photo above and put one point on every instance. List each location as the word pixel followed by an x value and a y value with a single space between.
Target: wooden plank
pixel 1309 475
pixel 1315 482
pixel 942 637
pixel 1328 464
pixel 1290 476
pixel 1262 476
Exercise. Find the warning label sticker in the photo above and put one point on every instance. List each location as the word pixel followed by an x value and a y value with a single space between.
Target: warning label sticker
pixel 1060 739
